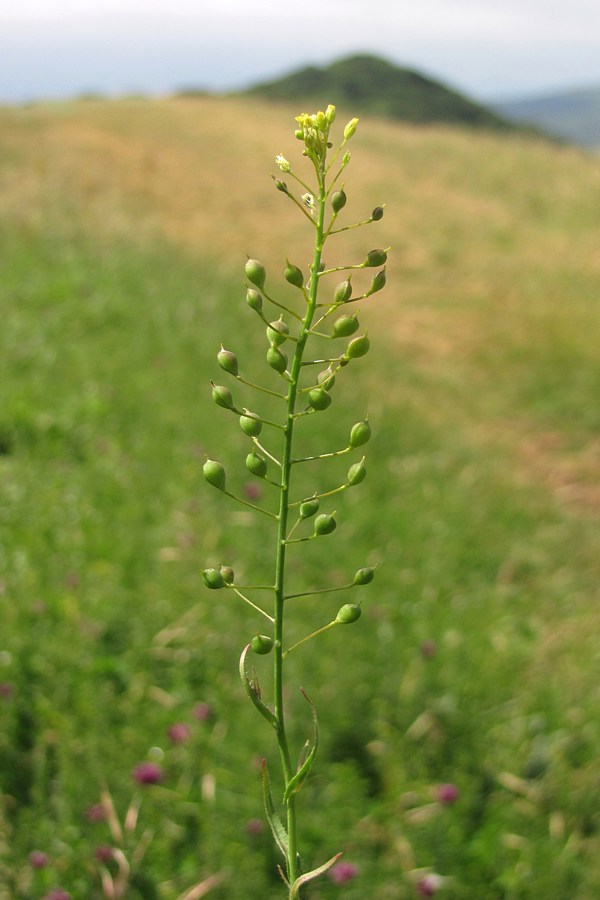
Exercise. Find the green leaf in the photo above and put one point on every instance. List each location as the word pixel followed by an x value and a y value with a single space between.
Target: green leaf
pixel 310 876
pixel 253 690
pixel 279 832
pixel 307 756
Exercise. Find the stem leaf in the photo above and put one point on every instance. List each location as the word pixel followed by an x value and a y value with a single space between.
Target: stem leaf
pixel 253 691
pixel 307 756
pixel 310 876
pixel 275 823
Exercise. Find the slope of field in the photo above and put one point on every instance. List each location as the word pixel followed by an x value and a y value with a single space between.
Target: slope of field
pixel 571 115
pixel 124 228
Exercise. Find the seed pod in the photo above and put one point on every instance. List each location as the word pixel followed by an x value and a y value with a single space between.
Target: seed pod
pixel 326 379
pixel 293 275
pixel 255 273
pixel 345 326
pixel 256 464
pixel 377 283
pixel 358 347
pixel 360 434
pixel 364 576
pixel 375 258
pixel 377 214
pixel 254 299
pixel 325 524
pixel 277 360
pixel 318 398
pixel 343 292
pixel 281 185
pixel 213 579
pixel 357 473
pixel 277 332
pixel 228 361
pixel 338 201
pixel 348 614
pixel 308 508
pixel 214 474
pixel 222 396
pixel 262 644
pixel 228 574
pixel 250 424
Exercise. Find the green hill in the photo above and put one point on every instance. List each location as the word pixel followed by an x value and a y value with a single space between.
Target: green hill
pixel 374 86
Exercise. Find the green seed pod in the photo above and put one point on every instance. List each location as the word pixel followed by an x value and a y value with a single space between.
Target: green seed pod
pixel 228 574
pixel 222 396
pixel 214 474
pixel 325 524
pixel 364 576
pixel 377 283
pixel 308 508
pixel 357 473
pixel 348 614
pixel 255 273
pixel 345 326
pixel 256 464
pixel 262 644
pixel 377 214
pixel 277 332
pixel 254 299
pixel 326 379
pixel 281 186
pixel 213 579
pixel 375 258
pixel 343 292
pixel 360 433
pixel 277 360
pixel 250 424
pixel 358 347
pixel 228 361
pixel 338 201
pixel 293 275
pixel 318 398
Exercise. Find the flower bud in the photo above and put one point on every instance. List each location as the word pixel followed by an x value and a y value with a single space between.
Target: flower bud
pixel 228 361
pixel 213 579
pixel 350 129
pixel 325 524
pixel 357 473
pixel 358 347
pixel 326 379
pixel 345 326
pixel 262 644
pixel 255 273
pixel 214 474
pixel 318 398
pixel 377 283
pixel 254 299
pixel 360 434
pixel 375 258
pixel 222 396
pixel 338 201
pixel 377 214
pixel 343 292
pixel 277 360
pixel 256 464
pixel 308 508
pixel 250 424
pixel 364 575
pixel 348 614
pixel 228 574
pixel 277 332
pixel 330 114
pixel 293 275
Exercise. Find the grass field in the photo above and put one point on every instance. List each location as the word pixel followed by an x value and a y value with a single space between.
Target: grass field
pixel 124 228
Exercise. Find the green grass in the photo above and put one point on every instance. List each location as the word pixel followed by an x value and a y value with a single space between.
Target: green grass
pixel 481 503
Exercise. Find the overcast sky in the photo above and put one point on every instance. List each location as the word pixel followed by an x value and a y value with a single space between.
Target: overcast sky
pixel 486 48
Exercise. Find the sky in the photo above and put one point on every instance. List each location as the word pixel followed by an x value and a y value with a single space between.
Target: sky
pixel 488 49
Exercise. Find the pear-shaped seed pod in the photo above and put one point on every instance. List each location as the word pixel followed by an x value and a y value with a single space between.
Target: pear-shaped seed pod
pixel 228 361
pixel 377 283
pixel 293 275
pixel 357 473
pixel 222 396
pixel 213 579
pixel 254 299
pixel 262 644
pixel 228 574
pixel 319 399
pixel 358 347
pixel 256 464
pixel 255 273
pixel 375 258
pixel 377 214
pixel 214 474
pixel 325 524
pixel 345 326
pixel 360 433
pixel 277 332
pixel 338 201
pixel 348 614
pixel 343 292
pixel 309 507
pixel 250 424
pixel 364 575
pixel 276 359
pixel 326 379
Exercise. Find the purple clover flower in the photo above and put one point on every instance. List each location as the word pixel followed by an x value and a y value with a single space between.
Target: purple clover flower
pixel 178 733
pixel 38 859
pixel 342 872
pixel 146 773
pixel 446 794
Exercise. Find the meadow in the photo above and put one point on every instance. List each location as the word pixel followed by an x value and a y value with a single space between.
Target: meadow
pixel 124 229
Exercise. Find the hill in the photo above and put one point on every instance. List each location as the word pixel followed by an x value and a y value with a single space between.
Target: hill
pixel 571 115
pixel 371 85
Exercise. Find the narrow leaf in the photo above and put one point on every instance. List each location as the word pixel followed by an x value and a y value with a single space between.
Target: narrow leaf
pixel 310 876
pixel 279 832
pixel 307 756
pixel 253 690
